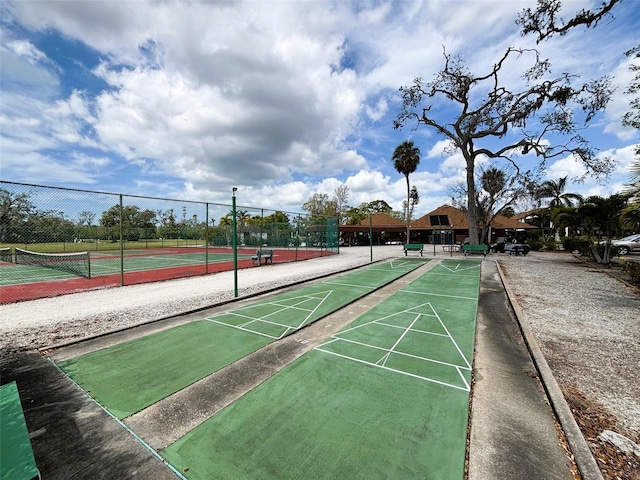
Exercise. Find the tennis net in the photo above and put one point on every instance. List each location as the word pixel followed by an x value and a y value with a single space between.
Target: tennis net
pixel 77 263
pixel 5 254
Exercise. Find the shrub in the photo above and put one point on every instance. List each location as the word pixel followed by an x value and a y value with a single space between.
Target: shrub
pixel 550 246
pixel 571 244
pixel 632 269
pixel 536 245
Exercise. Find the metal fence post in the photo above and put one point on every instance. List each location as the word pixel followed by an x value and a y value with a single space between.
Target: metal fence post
pixel 235 243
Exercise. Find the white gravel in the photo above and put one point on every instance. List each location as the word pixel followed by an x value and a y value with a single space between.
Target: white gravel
pixel 49 321
pixel 586 322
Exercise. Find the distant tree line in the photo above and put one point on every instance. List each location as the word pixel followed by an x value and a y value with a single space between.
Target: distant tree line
pixel 21 222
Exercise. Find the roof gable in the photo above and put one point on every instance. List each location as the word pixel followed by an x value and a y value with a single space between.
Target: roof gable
pixel 458 220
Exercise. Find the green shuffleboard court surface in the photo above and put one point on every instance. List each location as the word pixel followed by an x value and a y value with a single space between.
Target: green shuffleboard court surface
pixel 128 377
pixel 387 397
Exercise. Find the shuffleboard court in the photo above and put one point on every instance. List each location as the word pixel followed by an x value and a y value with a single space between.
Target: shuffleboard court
pixel 386 397
pixel 128 377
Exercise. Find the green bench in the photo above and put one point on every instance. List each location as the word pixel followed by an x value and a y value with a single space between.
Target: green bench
pixel 260 254
pixel 475 249
pixel 18 462
pixel 413 246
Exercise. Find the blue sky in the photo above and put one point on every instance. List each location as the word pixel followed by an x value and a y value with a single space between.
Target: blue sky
pixel 281 99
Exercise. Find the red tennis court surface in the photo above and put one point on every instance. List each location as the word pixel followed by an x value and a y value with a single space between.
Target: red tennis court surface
pixel 53 288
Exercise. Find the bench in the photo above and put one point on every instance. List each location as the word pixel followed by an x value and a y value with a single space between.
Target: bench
pixel 413 246
pixel 267 254
pixel 479 249
pixel 18 461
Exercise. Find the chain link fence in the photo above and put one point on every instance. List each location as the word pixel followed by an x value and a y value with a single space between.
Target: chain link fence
pixel 52 237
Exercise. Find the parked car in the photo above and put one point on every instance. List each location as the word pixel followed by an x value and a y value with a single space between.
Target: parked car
pixel 499 245
pixel 517 248
pixel 503 245
pixel 627 244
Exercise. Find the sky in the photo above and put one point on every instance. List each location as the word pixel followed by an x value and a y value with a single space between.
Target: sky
pixel 280 99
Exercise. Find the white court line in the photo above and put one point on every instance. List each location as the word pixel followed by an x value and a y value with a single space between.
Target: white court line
pixel 457 269
pixel 392 349
pixel 313 311
pixel 263 319
pixel 452 339
pixel 464 380
pixel 282 309
pixel 427 379
pixel 381 363
pixel 432 272
pixel 397 264
pixel 375 347
pixel 414 292
pixel 348 285
pixel 243 329
pixel 413 330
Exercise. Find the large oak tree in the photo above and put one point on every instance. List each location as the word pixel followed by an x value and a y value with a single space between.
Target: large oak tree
pixel 482 116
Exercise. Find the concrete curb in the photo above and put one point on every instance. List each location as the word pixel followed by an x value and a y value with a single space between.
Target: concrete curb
pixel 582 454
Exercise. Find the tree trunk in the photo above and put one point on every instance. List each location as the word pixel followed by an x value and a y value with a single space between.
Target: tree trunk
pixel 472 212
pixel 408 208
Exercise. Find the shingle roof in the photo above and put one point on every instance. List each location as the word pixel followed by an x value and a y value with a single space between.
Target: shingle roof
pixel 382 220
pixel 458 220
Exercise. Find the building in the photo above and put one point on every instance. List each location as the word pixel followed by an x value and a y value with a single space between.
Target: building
pixel 445 225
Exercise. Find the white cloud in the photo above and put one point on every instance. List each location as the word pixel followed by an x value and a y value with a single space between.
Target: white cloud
pixel 565 167
pixel 282 99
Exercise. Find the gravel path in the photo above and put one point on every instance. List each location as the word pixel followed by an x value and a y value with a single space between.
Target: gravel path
pixel 586 322
pixel 49 321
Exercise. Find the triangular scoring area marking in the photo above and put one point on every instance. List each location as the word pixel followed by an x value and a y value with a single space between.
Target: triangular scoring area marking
pixel 414 342
pixel 458 267
pixel 274 319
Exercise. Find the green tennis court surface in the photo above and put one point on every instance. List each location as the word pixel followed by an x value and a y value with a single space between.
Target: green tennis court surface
pixel 130 376
pixel 108 263
pixel 387 397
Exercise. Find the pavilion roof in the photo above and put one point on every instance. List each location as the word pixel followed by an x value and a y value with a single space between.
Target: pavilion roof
pixel 450 217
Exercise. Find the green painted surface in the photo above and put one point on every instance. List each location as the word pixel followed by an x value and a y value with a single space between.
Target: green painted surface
pixel 386 397
pixel 329 418
pixel 16 457
pixel 130 376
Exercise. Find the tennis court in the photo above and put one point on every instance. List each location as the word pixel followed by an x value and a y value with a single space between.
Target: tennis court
pixel 108 263
pixel 57 274
pixel 386 397
pixel 128 377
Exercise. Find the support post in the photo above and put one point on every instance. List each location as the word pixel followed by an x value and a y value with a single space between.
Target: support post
pixel 371 236
pixel 235 242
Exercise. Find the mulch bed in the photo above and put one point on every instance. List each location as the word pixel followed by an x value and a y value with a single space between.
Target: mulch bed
pixel 593 419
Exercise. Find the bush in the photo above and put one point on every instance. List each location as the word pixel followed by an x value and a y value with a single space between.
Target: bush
pixel 632 269
pixel 571 244
pixel 536 245
pixel 550 246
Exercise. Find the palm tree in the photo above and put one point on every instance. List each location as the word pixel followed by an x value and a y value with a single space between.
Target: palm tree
pixel 601 217
pixel 226 223
pixel 555 191
pixel 559 198
pixel 406 158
